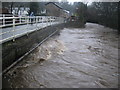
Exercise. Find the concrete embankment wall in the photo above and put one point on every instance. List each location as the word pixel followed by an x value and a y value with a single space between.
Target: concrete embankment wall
pixel 12 51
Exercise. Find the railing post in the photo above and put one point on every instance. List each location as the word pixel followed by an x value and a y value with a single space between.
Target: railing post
pixel 41 19
pixel 30 20
pixel 56 20
pixel 42 22
pixel 20 20
pixel 26 19
pixel 3 19
pixel 50 21
pixel 47 21
pixel 27 23
pixel 13 28
pixel 36 20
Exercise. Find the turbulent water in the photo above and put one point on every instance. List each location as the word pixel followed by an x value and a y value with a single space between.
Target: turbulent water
pixel 77 58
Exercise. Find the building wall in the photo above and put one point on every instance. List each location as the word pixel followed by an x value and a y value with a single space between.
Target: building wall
pixel 53 10
pixel 4 11
pixel 64 14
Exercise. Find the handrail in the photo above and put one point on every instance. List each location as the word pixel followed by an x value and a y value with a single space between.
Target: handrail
pixel 6 20
pixel 38 21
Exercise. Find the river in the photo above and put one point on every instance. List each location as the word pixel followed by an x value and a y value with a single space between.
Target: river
pixel 76 58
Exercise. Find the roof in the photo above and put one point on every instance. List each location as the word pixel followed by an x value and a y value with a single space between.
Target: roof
pixel 66 11
pixel 54 4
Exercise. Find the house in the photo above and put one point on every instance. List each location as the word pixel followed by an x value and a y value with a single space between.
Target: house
pixel 53 9
pixel 4 11
pixel 65 14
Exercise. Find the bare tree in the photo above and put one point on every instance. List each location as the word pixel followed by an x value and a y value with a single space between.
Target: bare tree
pixel 105 13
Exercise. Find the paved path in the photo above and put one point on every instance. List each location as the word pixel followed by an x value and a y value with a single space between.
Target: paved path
pixel 21 30
pixel 77 58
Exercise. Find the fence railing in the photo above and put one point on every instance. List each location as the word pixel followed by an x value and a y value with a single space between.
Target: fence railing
pixel 24 25
pixel 8 21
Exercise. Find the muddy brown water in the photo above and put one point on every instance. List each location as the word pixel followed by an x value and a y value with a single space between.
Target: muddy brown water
pixel 77 58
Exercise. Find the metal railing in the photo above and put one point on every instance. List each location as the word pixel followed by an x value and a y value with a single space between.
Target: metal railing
pixel 24 25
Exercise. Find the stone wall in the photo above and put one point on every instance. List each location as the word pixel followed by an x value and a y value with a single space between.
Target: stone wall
pixel 12 51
